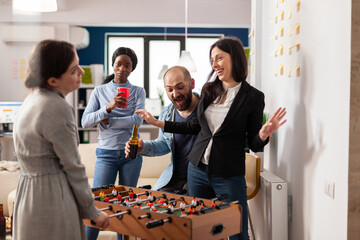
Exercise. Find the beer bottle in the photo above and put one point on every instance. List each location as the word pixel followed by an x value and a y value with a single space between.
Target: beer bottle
pixel 2 223
pixel 134 141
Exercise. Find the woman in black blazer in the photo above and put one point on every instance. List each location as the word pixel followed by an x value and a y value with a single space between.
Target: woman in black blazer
pixel 230 112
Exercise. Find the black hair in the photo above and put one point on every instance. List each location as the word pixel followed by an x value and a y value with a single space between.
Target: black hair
pixel 120 51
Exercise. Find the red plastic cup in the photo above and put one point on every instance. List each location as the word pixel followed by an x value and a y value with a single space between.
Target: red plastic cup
pixel 125 93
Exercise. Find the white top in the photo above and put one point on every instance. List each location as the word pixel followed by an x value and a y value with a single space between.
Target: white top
pixel 216 113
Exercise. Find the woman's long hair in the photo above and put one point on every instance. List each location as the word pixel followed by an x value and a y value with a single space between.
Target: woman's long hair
pixel 232 45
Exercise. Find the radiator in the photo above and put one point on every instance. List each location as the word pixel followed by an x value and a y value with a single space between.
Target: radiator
pixel 269 208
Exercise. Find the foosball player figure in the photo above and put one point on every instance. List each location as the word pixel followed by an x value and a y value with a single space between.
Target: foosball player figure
pixel 126 202
pixel 151 198
pixel 102 195
pixel 182 205
pixel 114 192
pixel 194 203
pixel 138 200
pixel 192 210
pixel 164 203
pixel 106 199
pixel 152 208
pixel 202 205
pixel 172 206
pixel 119 197
pixel 131 193
pixel 183 212
pixel 213 204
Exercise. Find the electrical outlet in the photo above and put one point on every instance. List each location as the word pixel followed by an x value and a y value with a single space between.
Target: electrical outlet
pixel 329 188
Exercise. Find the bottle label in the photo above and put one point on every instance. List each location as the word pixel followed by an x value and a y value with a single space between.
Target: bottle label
pixel 133 151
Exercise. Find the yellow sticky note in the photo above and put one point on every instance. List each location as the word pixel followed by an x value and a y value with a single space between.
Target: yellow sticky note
pixel 282 15
pixel 298 5
pixel 297 28
pixel 281 69
pixel 297 70
pixel 22 75
pixel 282 31
pixel 22 68
pixel 22 61
pixel 281 49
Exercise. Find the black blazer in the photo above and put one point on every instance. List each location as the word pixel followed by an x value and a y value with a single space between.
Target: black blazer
pixel 244 119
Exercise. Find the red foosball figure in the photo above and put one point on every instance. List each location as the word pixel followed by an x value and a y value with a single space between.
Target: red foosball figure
pixel 131 193
pixel 102 195
pixel 152 208
pixel 192 210
pixel 106 199
pixel 119 197
pixel 213 204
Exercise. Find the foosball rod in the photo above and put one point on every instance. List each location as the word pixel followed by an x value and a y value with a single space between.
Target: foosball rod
pixel 119 215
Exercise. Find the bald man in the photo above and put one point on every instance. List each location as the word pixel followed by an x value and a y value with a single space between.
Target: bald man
pixel 178 86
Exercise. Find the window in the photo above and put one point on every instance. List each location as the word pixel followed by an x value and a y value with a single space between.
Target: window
pixel 153 51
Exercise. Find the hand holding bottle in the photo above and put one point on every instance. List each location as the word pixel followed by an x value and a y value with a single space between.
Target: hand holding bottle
pixel 139 148
pixel 133 144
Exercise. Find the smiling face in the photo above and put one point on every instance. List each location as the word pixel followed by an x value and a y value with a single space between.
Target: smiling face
pixel 221 63
pixel 122 68
pixel 178 89
pixel 70 80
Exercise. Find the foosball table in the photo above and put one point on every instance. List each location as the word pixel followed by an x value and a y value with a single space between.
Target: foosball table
pixel 151 214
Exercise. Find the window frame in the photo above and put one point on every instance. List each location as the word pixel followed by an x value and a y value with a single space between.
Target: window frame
pixel 147 38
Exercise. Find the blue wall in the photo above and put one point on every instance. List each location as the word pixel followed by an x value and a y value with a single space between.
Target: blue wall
pixel 94 53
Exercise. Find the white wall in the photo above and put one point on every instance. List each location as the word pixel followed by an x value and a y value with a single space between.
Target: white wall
pixel 312 147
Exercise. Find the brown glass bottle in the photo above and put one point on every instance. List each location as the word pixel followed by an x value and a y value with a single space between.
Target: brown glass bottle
pixel 133 142
pixel 2 224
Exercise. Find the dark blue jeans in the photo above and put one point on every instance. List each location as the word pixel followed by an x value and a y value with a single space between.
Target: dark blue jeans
pixel 108 164
pixel 200 184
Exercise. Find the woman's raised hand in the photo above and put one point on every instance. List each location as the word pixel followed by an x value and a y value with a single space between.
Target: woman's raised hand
pixel 117 101
pixel 149 118
pixel 273 124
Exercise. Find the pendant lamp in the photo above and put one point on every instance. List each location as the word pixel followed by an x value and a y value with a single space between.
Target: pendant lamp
pixel 163 71
pixel 35 5
pixel 185 57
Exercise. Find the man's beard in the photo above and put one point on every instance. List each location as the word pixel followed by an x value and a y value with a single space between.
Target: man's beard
pixel 185 105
